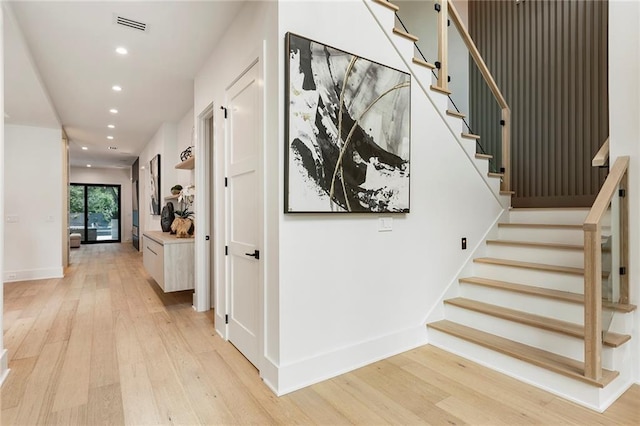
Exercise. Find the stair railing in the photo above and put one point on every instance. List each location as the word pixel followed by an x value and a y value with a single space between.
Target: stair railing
pixel 605 261
pixel 486 74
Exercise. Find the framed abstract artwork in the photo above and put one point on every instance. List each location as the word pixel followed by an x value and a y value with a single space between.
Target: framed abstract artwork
pixel 154 170
pixel 347 132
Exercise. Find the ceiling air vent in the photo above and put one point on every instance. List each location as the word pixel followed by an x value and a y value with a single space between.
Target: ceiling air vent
pixel 130 23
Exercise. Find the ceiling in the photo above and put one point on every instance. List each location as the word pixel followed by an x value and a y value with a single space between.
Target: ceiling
pixel 72 47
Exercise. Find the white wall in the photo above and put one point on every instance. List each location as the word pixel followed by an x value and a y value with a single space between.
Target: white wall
pixel 350 295
pixel 4 368
pixel 184 140
pixel 120 177
pixel 34 180
pixel 624 125
pixel 164 142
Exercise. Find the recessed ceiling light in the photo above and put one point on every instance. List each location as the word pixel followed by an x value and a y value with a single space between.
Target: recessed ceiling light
pixel 113 111
pixel 116 88
pixel 111 126
pixel 88 165
pixel 113 148
pixel 84 148
pixel 110 137
pixel 122 51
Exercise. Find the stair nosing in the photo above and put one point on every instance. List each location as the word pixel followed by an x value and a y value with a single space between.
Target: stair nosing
pixel 533 320
pixel 388 5
pixel 534 244
pixel 423 63
pixel 470 136
pixel 525 353
pixel 405 34
pixel 484 156
pixel 455 114
pixel 440 90
pixel 539 225
pixel 530 265
pixel 495 175
pixel 548 293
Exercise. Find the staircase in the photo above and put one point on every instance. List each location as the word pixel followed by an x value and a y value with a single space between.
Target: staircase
pixel 521 309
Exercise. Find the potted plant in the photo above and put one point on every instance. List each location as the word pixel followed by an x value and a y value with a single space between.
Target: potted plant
pixel 182 225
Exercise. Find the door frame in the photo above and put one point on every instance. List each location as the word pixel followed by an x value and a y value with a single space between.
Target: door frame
pixel 217 201
pixel 86 213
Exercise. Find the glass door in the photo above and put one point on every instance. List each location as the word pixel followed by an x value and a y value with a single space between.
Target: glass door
pixel 95 212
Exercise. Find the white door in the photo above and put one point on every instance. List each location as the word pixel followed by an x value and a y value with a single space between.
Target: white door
pixel 243 126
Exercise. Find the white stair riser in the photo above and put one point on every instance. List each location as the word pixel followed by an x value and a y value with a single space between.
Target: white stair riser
pixel 565 387
pixel 494 183
pixel 542 235
pixel 557 281
pixel 550 308
pixel 554 216
pixel 568 346
pixel 481 164
pixel 454 123
pixel 404 45
pixel 563 257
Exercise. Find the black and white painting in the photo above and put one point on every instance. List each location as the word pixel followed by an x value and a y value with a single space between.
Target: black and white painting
pixel 154 170
pixel 348 132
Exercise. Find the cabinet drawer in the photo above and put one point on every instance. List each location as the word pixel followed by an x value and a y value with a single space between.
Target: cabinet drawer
pixel 153 259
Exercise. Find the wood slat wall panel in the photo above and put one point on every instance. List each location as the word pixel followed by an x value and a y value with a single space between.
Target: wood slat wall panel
pixel 550 60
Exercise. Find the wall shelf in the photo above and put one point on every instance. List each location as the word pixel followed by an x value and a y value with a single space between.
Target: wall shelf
pixel 187 164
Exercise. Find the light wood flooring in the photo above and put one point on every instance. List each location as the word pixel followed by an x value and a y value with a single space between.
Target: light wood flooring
pixel 105 346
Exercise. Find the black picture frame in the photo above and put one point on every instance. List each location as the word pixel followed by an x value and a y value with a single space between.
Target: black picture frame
pixel 155 185
pixel 329 91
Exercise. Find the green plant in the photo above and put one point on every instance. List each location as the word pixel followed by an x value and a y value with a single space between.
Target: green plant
pixel 184 214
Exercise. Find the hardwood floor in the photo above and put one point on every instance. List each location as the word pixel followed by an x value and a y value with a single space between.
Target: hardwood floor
pixel 105 346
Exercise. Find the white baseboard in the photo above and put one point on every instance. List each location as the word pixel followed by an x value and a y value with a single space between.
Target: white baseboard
pixel 33 274
pixel 4 366
pixel 322 367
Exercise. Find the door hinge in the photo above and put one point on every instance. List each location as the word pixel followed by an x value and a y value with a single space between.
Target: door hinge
pixel 226 250
pixel 226 319
pixel 225 111
pixel 623 270
pixel 226 182
pixel 622 193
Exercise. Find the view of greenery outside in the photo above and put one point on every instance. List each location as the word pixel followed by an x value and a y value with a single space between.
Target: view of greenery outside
pixel 102 203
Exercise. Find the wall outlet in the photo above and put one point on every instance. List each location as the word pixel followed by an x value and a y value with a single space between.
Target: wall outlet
pixel 13 219
pixel 464 243
pixel 12 276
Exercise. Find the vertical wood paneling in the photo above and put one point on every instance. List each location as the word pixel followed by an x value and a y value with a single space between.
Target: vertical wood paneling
pixel 550 60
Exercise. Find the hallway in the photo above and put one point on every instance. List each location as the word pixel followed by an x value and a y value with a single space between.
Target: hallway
pixel 105 346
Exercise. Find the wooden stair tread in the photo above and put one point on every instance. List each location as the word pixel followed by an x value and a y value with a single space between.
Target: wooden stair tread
pixel 548 293
pixel 440 90
pixel 536 245
pixel 530 265
pixel 470 136
pixel 405 34
pixel 387 4
pixel 453 113
pixel 538 225
pixel 495 175
pixel 484 156
pixel 507 192
pixel 611 339
pixel 423 63
pixel 541 358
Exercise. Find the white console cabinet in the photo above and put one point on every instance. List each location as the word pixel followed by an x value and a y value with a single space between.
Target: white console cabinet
pixel 169 260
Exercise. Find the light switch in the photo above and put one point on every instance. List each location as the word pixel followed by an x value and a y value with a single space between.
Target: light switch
pixel 13 219
pixel 385 224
